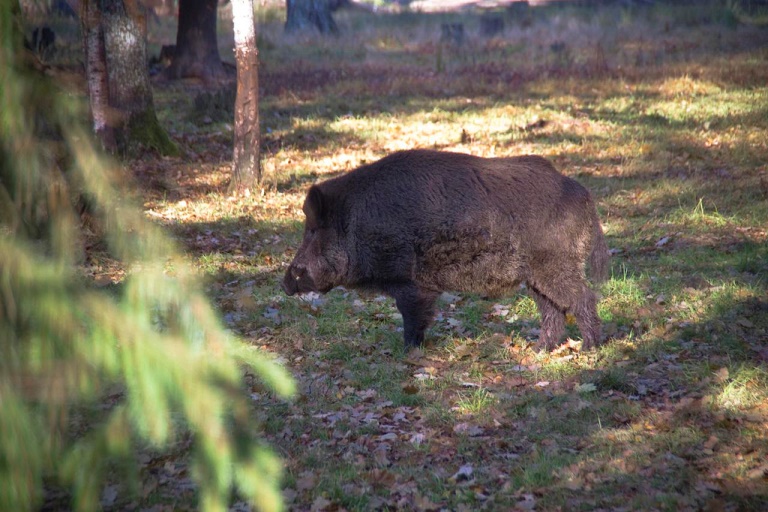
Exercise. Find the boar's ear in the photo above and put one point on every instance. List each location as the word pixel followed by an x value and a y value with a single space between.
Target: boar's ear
pixel 313 205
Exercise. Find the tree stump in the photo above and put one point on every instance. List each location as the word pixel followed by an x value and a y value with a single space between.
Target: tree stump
pixel 491 25
pixel 305 15
pixel 452 33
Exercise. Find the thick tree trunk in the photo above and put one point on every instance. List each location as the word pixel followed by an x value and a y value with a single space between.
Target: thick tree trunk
pixel 130 93
pixel 96 73
pixel 305 15
pixel 246 168
pixel 197 51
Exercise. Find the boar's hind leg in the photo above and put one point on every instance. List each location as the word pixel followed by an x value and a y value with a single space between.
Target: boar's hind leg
pixel 552 322
pixel 585 311
pixel 418 309
pixel 567 293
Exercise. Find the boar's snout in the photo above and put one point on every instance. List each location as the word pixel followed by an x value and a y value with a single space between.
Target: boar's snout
pixel 297 280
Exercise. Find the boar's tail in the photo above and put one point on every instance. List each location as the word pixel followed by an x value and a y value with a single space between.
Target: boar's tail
pixel 600 257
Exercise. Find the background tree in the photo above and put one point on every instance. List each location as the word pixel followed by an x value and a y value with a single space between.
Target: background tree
pixel 153 340
pixel 246 168
pixel 305 15
pixel 96 74
pixel 130 113
pixel 197 52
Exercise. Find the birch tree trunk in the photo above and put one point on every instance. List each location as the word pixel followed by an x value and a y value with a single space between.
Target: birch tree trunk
pixel 246 168
pixel 130 93
pixel 96 73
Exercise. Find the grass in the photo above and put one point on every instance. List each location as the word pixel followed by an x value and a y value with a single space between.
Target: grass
pixel 660 111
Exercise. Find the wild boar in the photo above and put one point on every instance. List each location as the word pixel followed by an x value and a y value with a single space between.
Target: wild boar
pixel 419 222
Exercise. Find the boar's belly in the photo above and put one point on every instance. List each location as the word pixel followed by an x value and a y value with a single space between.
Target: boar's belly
pixel 472 266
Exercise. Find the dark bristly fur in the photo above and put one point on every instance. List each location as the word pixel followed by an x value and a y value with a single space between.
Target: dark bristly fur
pixel 419 222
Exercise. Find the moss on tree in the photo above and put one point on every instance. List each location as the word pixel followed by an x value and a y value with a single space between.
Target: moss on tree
pixel 144 131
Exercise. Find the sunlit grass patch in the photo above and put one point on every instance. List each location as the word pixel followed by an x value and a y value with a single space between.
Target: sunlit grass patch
pixel 687 86
pixel 700 215
pixel 475 402
pixel 745 386
pixel 540 470
pixel 733 298
pixel 554 370
pixel 525 307
pixel 710 109
pixel 622 294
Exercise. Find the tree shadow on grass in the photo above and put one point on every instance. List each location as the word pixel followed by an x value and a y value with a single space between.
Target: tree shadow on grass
pixel 698 386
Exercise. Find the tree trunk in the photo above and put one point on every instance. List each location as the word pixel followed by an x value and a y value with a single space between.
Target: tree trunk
pixel 130 93
pixel 197 51
pixel 246 168
pixel 96 73
pixel 304 15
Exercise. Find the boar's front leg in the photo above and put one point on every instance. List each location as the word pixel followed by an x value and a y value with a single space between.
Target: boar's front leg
pixel 418 309
pixel 552 321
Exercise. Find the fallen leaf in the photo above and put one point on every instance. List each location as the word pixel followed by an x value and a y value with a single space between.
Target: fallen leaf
pixel 423 503
pixel 449 298
pixel 314 299
pixel 273 314
pixel 463 474
pixel 382 477
pixel 417 439
pixel 517 381
pixel 109 495
pixel 758 473
pixel 587 387
pixel 244 299
pixel 289 495
pixel 381 456
pixel 454 323
pixel 574 484
pixel 306 481
pixel 721 375
pixel 320 504
pixel 410 389
pixel 500 310
pixel 527 503
pixel 468 429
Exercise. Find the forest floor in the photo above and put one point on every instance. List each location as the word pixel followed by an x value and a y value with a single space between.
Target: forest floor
pixel 662 112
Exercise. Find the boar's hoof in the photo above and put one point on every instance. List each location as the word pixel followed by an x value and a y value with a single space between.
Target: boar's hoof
pixel 593 341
